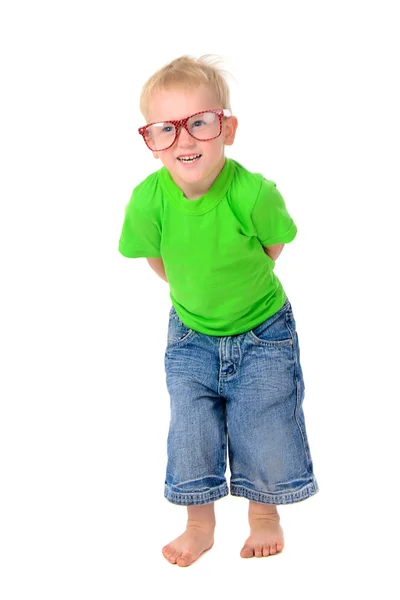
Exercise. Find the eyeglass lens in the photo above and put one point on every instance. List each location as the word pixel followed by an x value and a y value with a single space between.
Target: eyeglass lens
pixel 204 126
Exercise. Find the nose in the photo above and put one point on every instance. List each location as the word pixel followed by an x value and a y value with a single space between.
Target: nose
pixel 184 139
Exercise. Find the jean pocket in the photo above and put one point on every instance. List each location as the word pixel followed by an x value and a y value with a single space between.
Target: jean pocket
pixel 178 332
pixel 275 330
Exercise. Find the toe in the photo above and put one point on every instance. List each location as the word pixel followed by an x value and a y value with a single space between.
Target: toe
pixel 272 549
pixel 258 551
pixel 167 552
pixel 266 551
pixel 246 552
pixel 175 557
pixel 185 559
pixel 279 547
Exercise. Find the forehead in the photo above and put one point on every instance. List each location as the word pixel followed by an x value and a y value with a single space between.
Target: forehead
pixel 176 103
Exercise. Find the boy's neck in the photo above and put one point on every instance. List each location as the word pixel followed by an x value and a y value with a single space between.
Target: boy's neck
pixel 194 191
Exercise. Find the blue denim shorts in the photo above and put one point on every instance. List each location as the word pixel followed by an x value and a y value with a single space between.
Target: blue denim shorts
pixel 237 396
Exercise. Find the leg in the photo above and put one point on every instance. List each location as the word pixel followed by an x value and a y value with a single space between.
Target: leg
pixel 198 537
pixel 266 535
pixel 197 441
pixel 268 449
pixel 197 437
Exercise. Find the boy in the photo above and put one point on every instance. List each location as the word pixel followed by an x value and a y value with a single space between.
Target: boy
pixel 213 231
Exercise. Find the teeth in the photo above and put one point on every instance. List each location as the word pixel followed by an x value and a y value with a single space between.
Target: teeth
pixel 190 158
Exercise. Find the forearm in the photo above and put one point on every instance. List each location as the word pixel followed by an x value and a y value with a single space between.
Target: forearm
pixel 157 265
pixel 274 251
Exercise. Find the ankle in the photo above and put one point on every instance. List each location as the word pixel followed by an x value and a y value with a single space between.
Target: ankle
pixel 202 516
pixel 207 524
pixel 258 511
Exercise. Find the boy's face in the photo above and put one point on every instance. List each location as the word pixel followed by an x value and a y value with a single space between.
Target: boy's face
pixel 194 178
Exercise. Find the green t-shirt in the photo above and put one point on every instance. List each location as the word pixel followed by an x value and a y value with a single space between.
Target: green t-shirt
pixel 221 280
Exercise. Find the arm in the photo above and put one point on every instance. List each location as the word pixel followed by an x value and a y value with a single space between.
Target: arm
pixel 273 251
pixel 158 266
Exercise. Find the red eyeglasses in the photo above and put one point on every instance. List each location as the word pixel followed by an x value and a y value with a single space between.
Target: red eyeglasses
pixel 203 126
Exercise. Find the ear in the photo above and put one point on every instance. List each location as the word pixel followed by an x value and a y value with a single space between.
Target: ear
pixel 231 124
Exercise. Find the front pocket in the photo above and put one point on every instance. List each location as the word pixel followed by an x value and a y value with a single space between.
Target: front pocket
pixel 275 330
pixel 270 342
pixel 177 331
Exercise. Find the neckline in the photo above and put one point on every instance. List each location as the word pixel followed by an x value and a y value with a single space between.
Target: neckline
pixel 206 202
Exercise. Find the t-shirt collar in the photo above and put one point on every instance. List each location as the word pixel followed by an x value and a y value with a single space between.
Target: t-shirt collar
pixel 205 203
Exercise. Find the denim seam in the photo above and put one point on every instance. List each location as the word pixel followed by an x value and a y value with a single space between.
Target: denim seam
pixel 189 498
pixel 298 393
pixel 192 481
pixel 305 445
pixel 269 343
pixel 283 498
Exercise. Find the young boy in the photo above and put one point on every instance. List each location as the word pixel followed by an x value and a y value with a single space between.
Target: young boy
pixel 213 231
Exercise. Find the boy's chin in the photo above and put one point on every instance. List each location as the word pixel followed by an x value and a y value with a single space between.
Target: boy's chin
pixel 193 174
pixel 192 178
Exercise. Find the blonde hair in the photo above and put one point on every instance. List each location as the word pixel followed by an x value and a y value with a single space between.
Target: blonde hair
pixel 188 72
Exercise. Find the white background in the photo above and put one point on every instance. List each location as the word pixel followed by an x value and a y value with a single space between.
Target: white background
pixel 84 405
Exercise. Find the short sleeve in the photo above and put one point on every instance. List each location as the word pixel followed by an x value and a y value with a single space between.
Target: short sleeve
pixel 141 232
pixel 272 221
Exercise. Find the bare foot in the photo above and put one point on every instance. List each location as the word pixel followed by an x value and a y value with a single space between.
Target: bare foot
pixel 187 548
pixel 266 535
pixel 198 537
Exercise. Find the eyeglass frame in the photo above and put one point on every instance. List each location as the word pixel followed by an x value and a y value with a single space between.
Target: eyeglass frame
pixel 178 124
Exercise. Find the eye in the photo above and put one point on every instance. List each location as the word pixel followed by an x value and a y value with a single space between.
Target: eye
pixel 202 120
pixel 167 128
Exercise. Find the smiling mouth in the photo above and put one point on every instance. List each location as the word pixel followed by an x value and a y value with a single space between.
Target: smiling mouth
pixel 189 159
